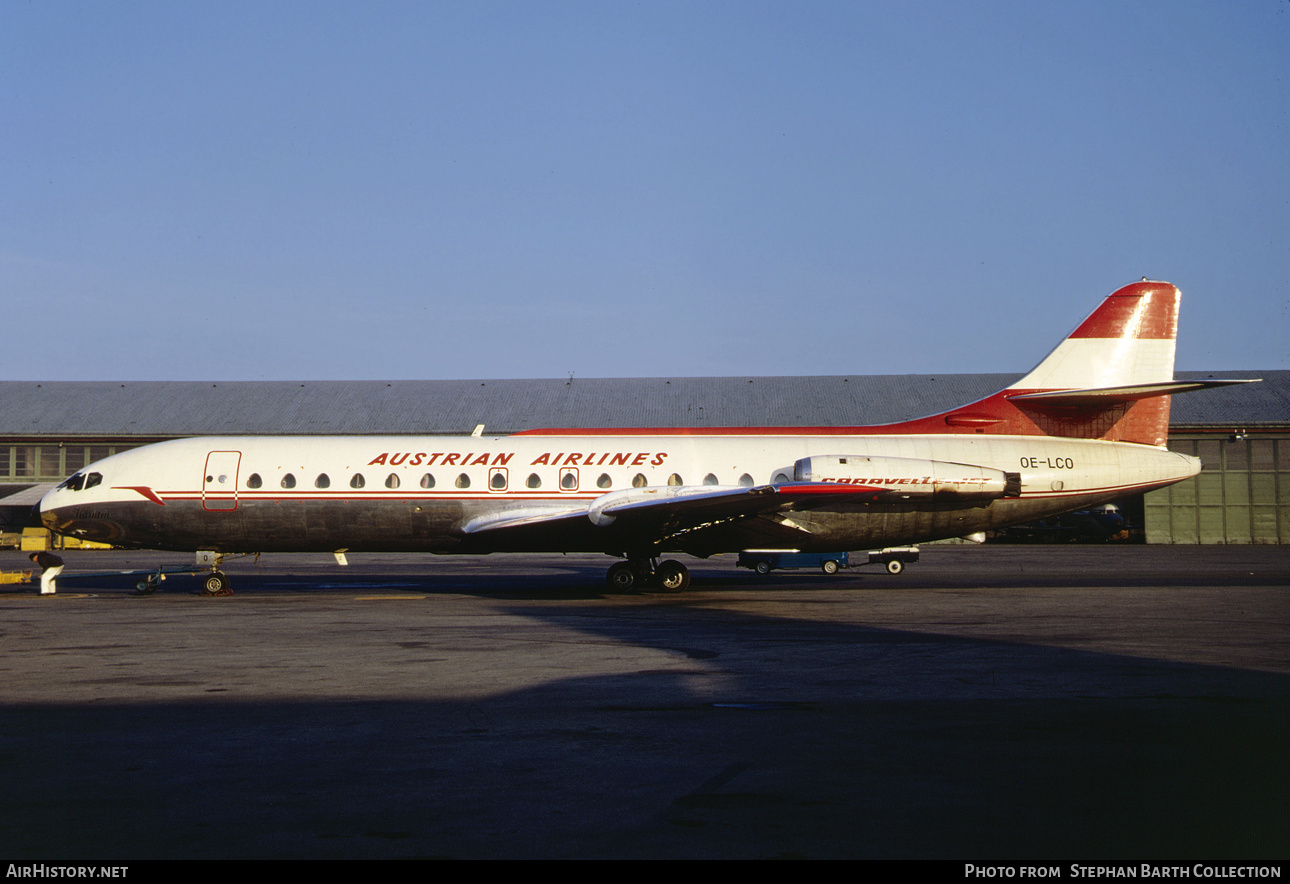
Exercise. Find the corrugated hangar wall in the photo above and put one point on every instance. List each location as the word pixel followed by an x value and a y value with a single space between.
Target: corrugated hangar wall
pixel 1241 496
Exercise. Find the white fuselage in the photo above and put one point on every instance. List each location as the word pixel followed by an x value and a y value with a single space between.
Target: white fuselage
pixel 261 493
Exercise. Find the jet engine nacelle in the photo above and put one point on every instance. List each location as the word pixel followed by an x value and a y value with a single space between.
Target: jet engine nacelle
pixel 910 477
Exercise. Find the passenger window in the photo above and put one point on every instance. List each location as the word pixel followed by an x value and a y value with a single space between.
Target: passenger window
pixel 498 482
pixel 253 481
pixel 392 480
pixel 639 481
pixel 533 481
pixel 746 481
pixel 604 481
pixel 358 481
pixel 322 481
pixel 427 481
pixel 779 479
pixel 288 481
pixel 709 479
pixel 463 481
pixel 569 480
pixel 674 479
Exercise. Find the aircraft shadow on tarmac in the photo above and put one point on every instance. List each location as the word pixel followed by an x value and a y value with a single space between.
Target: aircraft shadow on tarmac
pixel 650 731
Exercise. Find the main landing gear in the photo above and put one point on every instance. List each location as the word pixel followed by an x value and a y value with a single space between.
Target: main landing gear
pixel 669 576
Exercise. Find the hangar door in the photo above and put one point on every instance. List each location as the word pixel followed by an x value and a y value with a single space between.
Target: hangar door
pixel 1242 494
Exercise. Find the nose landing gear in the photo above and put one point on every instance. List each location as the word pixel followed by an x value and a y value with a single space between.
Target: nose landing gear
pixel 216 584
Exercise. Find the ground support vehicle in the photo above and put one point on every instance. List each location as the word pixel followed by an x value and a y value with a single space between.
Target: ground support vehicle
pixel 763 561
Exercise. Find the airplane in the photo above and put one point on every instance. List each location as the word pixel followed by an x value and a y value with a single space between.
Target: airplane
pixel 1088 425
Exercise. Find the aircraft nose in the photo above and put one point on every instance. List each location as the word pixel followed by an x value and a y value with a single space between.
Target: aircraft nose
pixel 45 509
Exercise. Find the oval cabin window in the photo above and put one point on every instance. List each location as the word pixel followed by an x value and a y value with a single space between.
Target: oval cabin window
pixel 604 481
pixel 674 479
pixel 463 481
pixel 639 480
pixel 322 481
pixel 498 482
pixel 533 481
pixel 288 481
pixel 427 481
pixel 358 481
pixel 709 479
pixel 253 481
pixel 392 480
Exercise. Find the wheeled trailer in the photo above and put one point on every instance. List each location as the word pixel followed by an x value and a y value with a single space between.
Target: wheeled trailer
pixel 763 561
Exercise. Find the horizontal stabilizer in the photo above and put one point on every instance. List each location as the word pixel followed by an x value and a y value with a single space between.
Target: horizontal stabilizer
pixel 1106 396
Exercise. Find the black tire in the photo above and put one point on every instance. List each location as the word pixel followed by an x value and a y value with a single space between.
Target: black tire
pixel 829 567
pixel 216 584
pixel 672 576
pixel 895 566
pixel 762 568
pixel 621 577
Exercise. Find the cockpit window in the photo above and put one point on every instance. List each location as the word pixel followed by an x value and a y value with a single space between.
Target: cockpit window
pixel 93 479
pixel 75 482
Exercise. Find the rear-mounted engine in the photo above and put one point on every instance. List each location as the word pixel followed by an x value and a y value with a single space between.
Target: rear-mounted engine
pixel 910 477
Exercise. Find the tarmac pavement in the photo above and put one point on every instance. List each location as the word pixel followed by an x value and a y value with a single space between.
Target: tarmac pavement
pixel 1086 703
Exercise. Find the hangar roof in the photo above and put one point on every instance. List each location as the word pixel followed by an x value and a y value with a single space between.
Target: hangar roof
pixel 182 408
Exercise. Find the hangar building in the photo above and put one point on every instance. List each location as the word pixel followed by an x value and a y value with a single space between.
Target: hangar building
pixel 49 430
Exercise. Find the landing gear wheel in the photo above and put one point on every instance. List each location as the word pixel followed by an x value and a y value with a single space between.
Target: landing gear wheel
pixel 829 567
pixel 763 568
pixel 216 584
pixel 621 576
pixel 672 576
pixel 895 566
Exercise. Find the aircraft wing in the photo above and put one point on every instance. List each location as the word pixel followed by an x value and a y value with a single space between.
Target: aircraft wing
pixel 664 511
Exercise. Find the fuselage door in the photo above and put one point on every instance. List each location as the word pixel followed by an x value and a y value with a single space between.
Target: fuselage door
pixel 219 482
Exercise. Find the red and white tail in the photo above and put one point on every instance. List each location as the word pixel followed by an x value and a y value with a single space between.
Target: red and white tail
pixel 1127 341
pixel 1110 379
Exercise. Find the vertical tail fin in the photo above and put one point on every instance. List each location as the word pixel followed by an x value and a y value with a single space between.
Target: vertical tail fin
pixel 1127 341
pixel 1109 379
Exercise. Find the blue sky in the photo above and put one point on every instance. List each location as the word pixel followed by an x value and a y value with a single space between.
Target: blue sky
pixel 232 191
